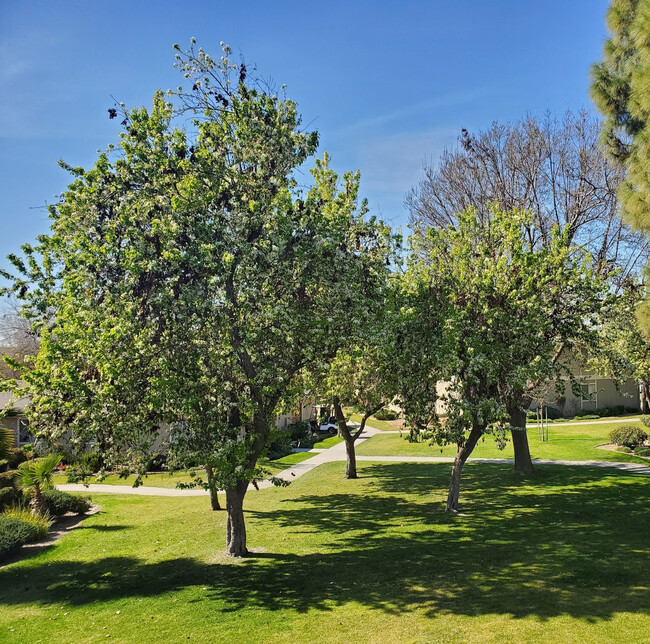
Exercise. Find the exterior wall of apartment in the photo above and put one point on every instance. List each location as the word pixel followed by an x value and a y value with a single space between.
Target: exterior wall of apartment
pixel 596 394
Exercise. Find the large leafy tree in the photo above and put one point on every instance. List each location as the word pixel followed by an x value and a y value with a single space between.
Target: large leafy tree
pixel 620 84
pixel 187 280
pixel 507 306
pixel 556 170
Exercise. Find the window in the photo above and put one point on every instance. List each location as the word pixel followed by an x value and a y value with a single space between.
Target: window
pixel 24 435
pixel 589 394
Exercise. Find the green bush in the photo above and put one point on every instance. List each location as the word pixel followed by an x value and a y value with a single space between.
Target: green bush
pixel 386 414
pixel 280 444
pixel 157 462
pixel 7 478
pixel 59 503
pixel 627 436
pixel 40 522
pixel 90 463
pixel 645 420
pixel 299 430
pixel 642 451
pixel 588 416
pixel 14 533
pixel 625 450
pixel 9 496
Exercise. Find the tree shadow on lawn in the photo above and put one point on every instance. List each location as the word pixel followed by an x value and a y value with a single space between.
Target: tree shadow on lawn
pixel 575 545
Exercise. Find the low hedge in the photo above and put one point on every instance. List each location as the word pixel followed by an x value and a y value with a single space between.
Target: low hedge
pixel 59 503
pixel 642 451
pixel 14 533
pixel 627 436
pixel 386 414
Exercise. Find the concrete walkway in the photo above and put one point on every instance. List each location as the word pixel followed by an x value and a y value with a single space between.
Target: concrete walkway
pixel 337 453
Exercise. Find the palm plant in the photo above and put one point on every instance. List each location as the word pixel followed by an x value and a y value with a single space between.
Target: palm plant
pixel 35 476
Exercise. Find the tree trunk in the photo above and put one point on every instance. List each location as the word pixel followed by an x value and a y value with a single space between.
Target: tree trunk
pixel 645 390
pixel 462 455
pixel 351 461
pixel 236 527
pixel 349 437
pixel 212 487
pixel 523 461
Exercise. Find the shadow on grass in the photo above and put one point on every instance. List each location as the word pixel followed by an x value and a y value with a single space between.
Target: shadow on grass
pixel 573 543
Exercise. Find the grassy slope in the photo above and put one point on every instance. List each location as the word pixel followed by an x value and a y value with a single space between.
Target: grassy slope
pixel 559 558
pixel 575 443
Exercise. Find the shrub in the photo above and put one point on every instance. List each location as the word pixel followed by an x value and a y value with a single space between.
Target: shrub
pixel 14 533
pixel 7 478
pixel 157 462
pixel 386 414
pixel 40 522
pixel 642 451
pixel 645 420
pixel 9 496
pixel 90 463
pixel 299 430
pixel 59 503
pixel 16 457
pixel 627 436
pixel 615 410
pixel 588 416
pixel 625 450
pixel 280 444
pixel 553 414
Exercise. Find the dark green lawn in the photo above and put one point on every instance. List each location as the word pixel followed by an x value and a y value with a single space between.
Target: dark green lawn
pixel 562 557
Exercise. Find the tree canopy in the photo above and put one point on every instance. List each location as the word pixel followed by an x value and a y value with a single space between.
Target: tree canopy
pixel 187 279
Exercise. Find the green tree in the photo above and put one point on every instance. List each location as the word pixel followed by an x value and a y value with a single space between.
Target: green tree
pixel 187 279
pixel 34 476
pixel 553 168
pixel 623 349
pixel 620 89
pixel 507 307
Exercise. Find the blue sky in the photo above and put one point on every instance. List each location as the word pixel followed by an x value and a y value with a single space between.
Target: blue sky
pixel 388 84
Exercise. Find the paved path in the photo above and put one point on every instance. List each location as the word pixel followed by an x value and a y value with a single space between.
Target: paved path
pixel 337 453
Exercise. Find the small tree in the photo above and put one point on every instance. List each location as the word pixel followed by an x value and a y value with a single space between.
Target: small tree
pixel 508 305
pixel 34 476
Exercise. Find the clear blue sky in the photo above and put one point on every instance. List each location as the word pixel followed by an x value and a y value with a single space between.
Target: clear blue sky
pixel 387 84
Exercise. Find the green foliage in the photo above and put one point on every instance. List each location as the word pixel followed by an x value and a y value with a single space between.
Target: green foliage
pixel 14 533
pixel 42 523
pixel 37 473
pixel 508 307
pixel 187 278
pixel 9 496
pixel 645 420
pixel 620 91
pixel 59 503
pixel 299 430
pixel 280 444
pixel 6 442
pixel 386 414
pixel 628 436
pixel 642 451
pixel 624 449
pixel 157 462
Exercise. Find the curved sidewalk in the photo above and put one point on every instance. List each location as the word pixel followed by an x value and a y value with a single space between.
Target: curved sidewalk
pixel 337 453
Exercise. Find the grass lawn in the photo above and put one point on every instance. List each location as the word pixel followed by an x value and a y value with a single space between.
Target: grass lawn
pixel 575 443
pixel 384 425
pixel 562 557
pixel 328 442
pixel 170 479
